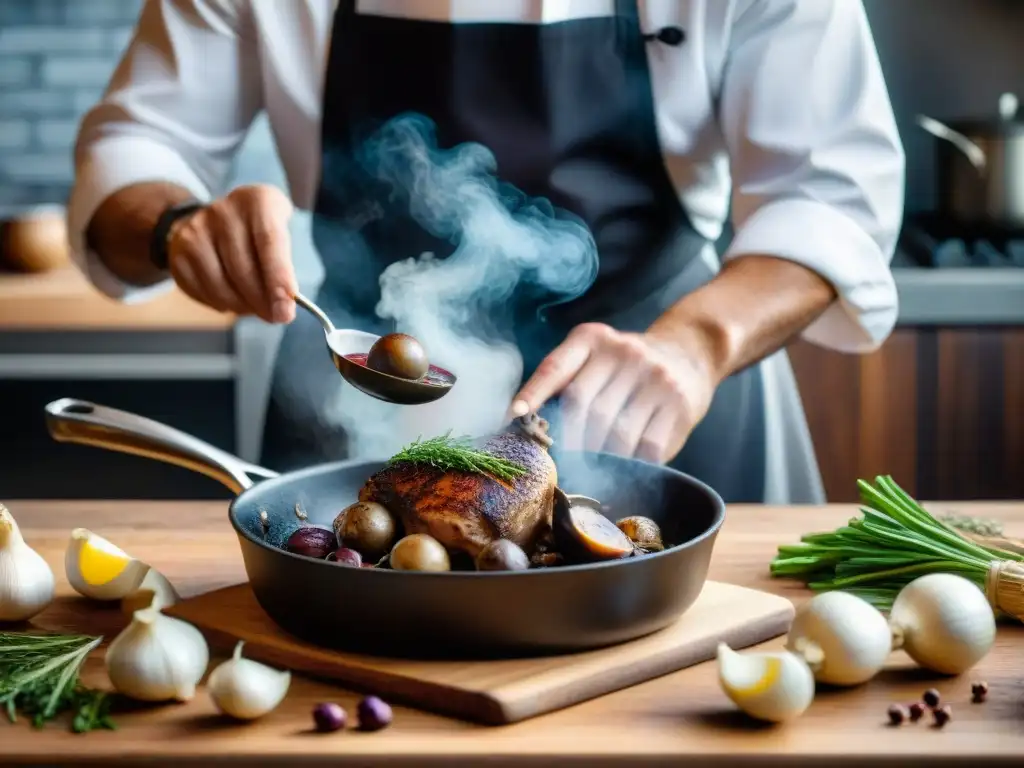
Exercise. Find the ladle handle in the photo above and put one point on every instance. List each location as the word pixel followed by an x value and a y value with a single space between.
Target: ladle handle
pixel 77 421
pixel 308 305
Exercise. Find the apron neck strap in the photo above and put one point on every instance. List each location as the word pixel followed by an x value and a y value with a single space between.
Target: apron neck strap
pixel 627 9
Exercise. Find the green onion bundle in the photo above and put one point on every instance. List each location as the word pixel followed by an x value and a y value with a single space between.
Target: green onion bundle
pixel 895 542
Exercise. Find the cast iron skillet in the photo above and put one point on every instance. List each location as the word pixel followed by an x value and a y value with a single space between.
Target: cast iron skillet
pixel 468 614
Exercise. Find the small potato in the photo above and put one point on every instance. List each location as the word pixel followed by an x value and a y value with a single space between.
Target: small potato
pixel 366 527
pixel 419 552
pixel 502 555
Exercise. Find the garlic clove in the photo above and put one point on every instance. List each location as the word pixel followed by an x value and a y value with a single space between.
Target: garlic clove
pixel 853 636
pixel 154 591
pixel 157 658
pixel 245 689
pixel 944 622
pixel 26 579
pixel 100 570
pixel 771 686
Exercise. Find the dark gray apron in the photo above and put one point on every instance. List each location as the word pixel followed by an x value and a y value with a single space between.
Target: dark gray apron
pixel 567 111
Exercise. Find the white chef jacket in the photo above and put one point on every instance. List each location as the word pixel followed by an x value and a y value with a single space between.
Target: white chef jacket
pixel 777 106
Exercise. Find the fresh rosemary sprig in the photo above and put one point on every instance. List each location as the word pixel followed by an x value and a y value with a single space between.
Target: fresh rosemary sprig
pixel 450 453
pixel 876 555
pixel 39 679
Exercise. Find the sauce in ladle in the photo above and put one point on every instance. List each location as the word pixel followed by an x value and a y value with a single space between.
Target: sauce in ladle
pixel 435 376
pixel 346 347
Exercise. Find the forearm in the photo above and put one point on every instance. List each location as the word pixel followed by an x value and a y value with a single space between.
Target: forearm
pixel 119 232
pixel 751 309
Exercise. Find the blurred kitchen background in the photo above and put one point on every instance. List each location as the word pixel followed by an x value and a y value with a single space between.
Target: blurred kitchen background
pixel 940 407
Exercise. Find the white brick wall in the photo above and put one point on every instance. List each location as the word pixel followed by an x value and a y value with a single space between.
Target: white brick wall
pixel 15 71
pixel 56 57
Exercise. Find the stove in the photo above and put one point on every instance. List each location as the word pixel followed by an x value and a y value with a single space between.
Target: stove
pixel 929 240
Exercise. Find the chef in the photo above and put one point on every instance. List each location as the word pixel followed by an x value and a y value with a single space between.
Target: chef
pixel 650 121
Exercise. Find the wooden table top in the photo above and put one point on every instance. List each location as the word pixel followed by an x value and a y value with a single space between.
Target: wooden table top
pixel 64 300
pixel 680 719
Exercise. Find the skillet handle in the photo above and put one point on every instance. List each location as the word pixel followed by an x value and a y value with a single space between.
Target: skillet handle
pixel 77 421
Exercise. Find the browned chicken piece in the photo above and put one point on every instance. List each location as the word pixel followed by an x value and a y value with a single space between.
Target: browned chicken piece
pixel 466 511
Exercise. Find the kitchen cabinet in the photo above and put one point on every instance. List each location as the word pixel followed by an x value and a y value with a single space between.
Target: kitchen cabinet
pixel 169 359
pixel 36 466
pixel 940 408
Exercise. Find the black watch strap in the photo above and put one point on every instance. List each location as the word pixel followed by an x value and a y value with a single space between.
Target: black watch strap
pixel 158 239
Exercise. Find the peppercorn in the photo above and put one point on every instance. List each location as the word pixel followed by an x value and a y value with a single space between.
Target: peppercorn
pixel 931 698
pixel 979 691
pixel 329 717
pixel 916 711
pixel 942 715
pixel 374 714
pixel 897 714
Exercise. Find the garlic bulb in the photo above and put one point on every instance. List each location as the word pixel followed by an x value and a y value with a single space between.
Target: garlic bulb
pixel 853 636
pixel 772 686
pixel 944 622
pixel 26 580
pixel 157 658
pixel 246 689
pixel 155 591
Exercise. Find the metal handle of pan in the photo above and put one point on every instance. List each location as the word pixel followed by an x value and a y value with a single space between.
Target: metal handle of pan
pixel 77 421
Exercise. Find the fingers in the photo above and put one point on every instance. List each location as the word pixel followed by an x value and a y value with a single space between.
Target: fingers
pixel 605 410
pixel 558 369
pixel 268 227
pixel 238 259
pixel 197 270
pixel 633 421
pixel 657 444
pixel 578 399
pixel 235 254
pixel 187 280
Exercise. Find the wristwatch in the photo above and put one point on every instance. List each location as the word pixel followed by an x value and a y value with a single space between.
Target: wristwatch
pixel 158 238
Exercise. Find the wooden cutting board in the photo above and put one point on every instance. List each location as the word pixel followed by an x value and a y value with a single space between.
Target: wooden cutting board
pixel 504 691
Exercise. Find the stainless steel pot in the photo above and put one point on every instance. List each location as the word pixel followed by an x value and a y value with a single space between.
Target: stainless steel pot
pixel 980 166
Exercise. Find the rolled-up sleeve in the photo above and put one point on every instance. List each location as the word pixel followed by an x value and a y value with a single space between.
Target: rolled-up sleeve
pixel 176 110
pixel 816 159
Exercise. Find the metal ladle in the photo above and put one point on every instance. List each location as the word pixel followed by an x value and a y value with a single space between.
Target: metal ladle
pixel 343 342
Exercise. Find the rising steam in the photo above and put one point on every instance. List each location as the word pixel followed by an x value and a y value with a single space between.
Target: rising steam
pixel 456 306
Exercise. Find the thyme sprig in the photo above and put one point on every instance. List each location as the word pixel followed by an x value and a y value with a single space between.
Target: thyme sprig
pixel 449 453
pixel 39 678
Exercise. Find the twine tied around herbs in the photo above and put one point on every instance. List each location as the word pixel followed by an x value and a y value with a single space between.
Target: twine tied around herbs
pixel 1004 587
pixel 1004 582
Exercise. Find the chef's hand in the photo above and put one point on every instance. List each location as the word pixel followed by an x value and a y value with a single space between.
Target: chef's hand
pixel 235 254
pixel 631 394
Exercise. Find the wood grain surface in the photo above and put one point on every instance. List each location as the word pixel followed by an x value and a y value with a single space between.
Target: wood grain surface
pixel 681 718
pixel 939 409
pixel 64 300
pixel 862 412
pixel 500 692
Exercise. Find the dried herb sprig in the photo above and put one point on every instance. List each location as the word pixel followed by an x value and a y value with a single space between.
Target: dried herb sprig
pixel 450 453
pixel 39 678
